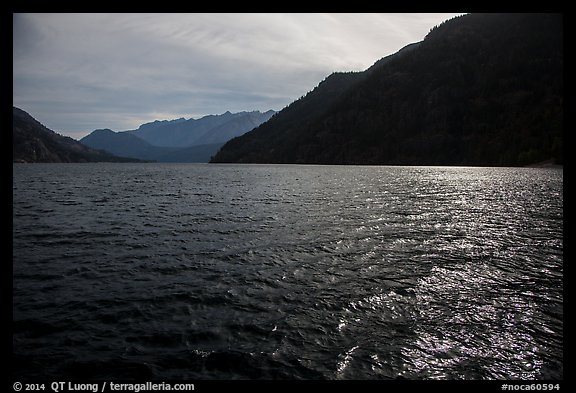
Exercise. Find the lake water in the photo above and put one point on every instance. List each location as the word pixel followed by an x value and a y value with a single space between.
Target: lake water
pixel 199 271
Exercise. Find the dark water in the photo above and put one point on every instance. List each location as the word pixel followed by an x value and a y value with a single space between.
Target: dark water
pixel 167 271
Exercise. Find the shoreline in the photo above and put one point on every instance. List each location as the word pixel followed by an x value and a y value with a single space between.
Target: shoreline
pixel 545 164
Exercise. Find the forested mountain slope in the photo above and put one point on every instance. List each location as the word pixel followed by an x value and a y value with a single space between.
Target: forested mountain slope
pixel 480 89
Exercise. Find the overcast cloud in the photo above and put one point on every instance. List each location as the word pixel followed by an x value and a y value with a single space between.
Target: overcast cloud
pixel 79 72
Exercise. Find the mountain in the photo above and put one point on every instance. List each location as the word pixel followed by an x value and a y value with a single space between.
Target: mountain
pixel 144 128
pixel 181 140
pixel 238 124
pixel 33 142
pixel 124 144
pixel 480 89
pixel 180 133
pixel 184 133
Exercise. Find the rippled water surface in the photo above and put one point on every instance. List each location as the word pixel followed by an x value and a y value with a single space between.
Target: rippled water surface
pixel 308 272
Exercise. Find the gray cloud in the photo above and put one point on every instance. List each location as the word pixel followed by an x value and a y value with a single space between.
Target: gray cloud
pixel 79 72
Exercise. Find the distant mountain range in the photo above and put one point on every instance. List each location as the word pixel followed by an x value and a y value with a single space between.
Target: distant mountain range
pixel 180 140
pixel 33 142
pixel 480 89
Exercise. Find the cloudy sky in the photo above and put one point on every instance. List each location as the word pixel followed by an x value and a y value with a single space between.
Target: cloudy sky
pixel 79 72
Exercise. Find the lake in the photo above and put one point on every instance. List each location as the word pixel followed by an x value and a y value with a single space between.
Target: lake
pixel 206 271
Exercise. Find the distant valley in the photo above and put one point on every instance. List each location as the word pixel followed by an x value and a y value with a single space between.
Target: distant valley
pixel 479 90
pixel 180 140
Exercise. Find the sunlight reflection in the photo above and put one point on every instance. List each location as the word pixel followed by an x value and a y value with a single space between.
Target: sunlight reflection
pixel 484 325
pixel 344 360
